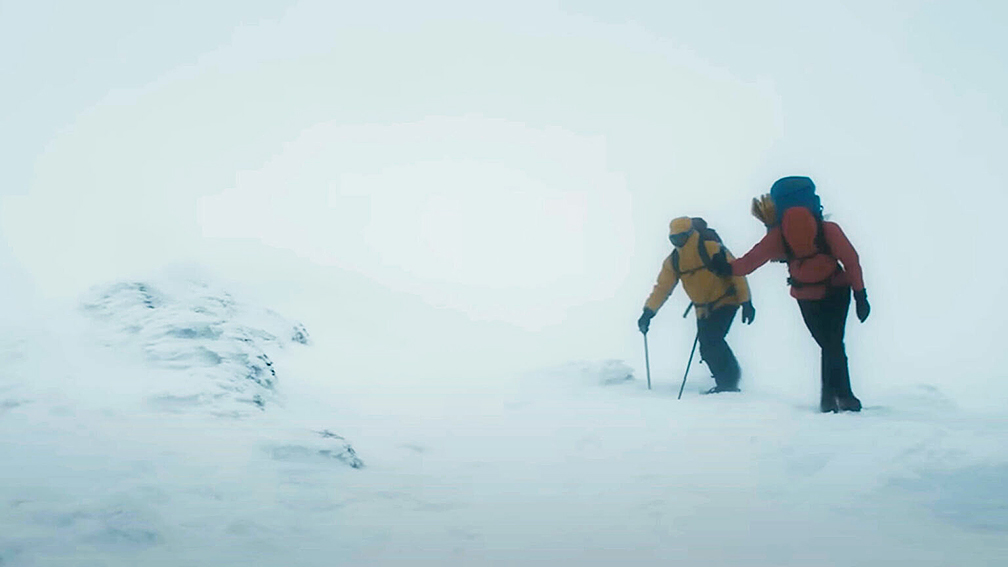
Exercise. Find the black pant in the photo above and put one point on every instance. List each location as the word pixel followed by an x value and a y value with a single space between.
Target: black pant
pixel 826 319
pixel 712 331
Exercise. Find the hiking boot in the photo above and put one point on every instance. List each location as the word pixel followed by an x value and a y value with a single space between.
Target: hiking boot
pixel 849 403
pixel 719 389
pixel 828 404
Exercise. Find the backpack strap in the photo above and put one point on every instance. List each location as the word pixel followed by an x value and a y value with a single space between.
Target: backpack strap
pixel 821 242
pixel 702 250
pixel 825 281
pixel 705 258
pixel 706 234
pixel 709 306
pixel 822 247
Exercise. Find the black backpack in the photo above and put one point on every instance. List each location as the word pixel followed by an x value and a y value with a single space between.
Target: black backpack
pixel 706 234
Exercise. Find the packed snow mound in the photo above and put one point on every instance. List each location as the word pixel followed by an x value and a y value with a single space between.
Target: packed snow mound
pixel 218 350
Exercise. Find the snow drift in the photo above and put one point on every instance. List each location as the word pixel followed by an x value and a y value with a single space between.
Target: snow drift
pixel 131 435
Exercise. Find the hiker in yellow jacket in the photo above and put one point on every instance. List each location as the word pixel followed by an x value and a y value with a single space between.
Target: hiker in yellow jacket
pixel 715 299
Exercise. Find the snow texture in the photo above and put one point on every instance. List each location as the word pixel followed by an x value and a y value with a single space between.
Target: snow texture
pixel 577 463
pixel 221 345
pixel 128 428
pixel 466 204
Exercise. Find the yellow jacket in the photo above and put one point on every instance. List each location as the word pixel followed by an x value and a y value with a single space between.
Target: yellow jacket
pixel 706 290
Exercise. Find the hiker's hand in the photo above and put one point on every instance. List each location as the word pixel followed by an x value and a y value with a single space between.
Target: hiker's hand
pixel 644 323
pixel 719 265
pixel 863 309
pixel 748 313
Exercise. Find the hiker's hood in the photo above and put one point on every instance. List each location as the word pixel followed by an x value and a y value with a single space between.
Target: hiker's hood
pixel 680 225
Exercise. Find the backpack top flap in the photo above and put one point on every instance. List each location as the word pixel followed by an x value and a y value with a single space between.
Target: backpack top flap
pixel 796 191
pixel 706 232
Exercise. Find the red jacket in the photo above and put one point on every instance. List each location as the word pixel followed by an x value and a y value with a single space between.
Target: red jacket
pixel 814 269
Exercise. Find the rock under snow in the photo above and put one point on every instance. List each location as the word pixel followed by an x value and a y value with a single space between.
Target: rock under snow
pixel 219 349
pixel 325 446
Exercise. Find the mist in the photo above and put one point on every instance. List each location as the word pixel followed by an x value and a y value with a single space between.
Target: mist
pixel 450 194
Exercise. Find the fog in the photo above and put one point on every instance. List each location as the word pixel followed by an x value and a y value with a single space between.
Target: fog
pixel 463 191
pixel 514 164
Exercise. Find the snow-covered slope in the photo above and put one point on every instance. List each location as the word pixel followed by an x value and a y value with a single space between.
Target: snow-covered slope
pixel 130 435
pixel 130 424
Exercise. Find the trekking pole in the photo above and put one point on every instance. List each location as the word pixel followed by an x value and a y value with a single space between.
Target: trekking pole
pixel 647 362
pixel 688 364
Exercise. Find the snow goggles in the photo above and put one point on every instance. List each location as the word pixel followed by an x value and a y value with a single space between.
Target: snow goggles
pixel 679 239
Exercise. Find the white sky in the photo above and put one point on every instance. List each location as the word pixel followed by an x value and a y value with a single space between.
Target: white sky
pixel 516 161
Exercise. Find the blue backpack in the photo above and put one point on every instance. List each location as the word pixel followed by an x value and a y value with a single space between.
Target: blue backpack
pixel 795 191
pixel 799 191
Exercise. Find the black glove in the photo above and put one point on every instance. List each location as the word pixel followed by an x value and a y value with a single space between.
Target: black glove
pixel 863 309
pixel 748 313
pixel 644 323
pixel 719 265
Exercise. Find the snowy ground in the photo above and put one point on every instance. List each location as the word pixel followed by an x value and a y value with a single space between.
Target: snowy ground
pixel 125 443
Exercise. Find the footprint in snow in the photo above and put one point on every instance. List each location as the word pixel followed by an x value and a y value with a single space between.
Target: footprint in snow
pixel 418 449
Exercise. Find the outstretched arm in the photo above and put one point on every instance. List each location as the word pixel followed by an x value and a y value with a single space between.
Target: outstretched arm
pixel 769 248
pixel 741 283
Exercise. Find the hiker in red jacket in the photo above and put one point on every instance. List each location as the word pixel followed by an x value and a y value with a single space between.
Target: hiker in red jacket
pixel 824 268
